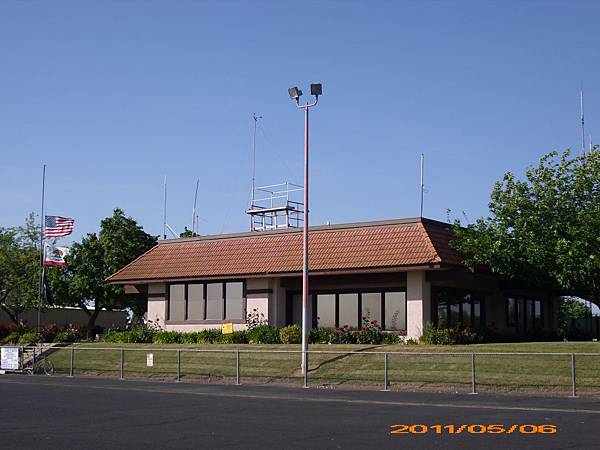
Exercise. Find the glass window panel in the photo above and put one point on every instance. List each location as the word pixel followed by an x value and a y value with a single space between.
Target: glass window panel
pixel 395 311
pixel 297 310
pixel 442 314
pixel 177 302
pixel 234 304
pixel 326 311
pixel 454 314
pixel 511 308
pixel 214 301
pixel 466 311
pixel 476 314
pixel 371 306
pixel 195 302
pixel 349 310
pixel 537 313
pixel 529 313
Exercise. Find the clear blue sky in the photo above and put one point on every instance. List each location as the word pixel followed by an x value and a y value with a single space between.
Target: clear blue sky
pixel 113 96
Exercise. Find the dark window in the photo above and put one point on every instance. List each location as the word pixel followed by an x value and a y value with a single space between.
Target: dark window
pixel 234 301
pixel 524 313
pixel 195 302
pixel 217 301
pixel 511 311
pixel 387 308
pixel 457 308
pixel 177 302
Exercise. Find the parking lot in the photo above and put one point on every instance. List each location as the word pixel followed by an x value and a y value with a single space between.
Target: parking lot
pixel 43 412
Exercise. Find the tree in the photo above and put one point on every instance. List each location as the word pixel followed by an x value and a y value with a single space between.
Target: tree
pixel 92 260
pixel 544 230
pixel 569 309
pixel 19 268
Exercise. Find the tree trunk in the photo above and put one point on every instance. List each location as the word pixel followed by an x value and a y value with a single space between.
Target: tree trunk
pixel 92 324
pixel 13 317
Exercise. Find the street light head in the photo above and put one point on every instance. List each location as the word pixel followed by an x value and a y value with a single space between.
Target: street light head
pixel 295 93
pixel 316 89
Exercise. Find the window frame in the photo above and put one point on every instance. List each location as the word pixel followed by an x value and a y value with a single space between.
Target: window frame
pixel 206 321
pixel 456 296
pixel 521 322
pixel 360 292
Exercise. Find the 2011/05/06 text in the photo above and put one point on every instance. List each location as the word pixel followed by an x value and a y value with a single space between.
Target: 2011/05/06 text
pixel 473 429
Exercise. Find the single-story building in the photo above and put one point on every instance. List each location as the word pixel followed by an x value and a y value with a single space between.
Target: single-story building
pixel 401 273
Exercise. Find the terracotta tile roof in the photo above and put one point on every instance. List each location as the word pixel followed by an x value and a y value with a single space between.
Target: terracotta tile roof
pixel 370 245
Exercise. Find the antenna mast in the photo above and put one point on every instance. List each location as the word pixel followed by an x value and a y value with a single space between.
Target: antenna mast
pixel 165 210
pixel 422 187
pixel 255 118
pixel 582 124
pixel 194 220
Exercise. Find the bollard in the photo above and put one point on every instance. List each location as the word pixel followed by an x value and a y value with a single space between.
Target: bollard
pixel 237 367
pixel 71 368
pixel 122 364
pixel 573 380
pixel 178 365
pixel 305 370
pixel 473 391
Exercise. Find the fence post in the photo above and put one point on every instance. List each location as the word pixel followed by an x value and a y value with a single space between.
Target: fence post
pixel 573 380
pixel 237 367
pixel 473 391
pixel 386 384
pixel 122 364
pixel 178 365
pixel 306 370
pixel 33 363
pixel 72 359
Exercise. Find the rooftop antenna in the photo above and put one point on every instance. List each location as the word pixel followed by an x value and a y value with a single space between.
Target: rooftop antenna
pixel 255 118
pixel 582 123
pixel 165 210
pixel 422 187
pixel 194 216
pixel 165 224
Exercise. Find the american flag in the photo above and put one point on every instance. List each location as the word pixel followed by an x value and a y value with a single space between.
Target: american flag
pixel 57 226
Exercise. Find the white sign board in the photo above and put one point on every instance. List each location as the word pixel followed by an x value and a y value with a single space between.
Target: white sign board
pixel 9 358
pixel 149 359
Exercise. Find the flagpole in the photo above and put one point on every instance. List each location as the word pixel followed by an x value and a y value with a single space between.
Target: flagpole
pixel 42 243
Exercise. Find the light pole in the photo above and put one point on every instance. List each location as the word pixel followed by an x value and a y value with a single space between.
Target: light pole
pixel 295 94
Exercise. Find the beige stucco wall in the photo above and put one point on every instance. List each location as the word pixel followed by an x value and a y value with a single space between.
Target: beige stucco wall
pixel 418 303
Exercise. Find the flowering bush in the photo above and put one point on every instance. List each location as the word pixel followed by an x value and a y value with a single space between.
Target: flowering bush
pixel 255 319
pixel 437 335
pixel 343 335
pixel 369 333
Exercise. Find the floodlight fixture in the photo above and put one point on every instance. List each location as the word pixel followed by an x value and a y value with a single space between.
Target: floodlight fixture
pixel 316 89
pixel 295 93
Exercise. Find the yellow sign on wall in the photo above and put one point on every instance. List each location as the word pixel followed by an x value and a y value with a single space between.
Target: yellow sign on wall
pixel 227 328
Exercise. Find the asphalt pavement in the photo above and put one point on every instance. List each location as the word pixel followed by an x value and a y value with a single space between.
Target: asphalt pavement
pixel 38 412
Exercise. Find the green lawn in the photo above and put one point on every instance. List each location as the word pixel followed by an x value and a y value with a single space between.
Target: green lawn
pixel 505 372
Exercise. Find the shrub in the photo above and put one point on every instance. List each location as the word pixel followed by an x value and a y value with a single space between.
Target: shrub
pixel 5 330
pixel 343 335
pixel 369 333
pixel 392 338
pixel 237 337
pixel 255 319
pixel 319 336
pixel 30 338
pixel 47 332
pixel 189 338
pixel 210 336
pixel 65 336
pixel 168 337
pixel 291 334
pixel 433 335
pixel 264 334
pixel 137 335
pixel 11 338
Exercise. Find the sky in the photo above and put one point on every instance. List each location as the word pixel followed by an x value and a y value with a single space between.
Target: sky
pixel 115 95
